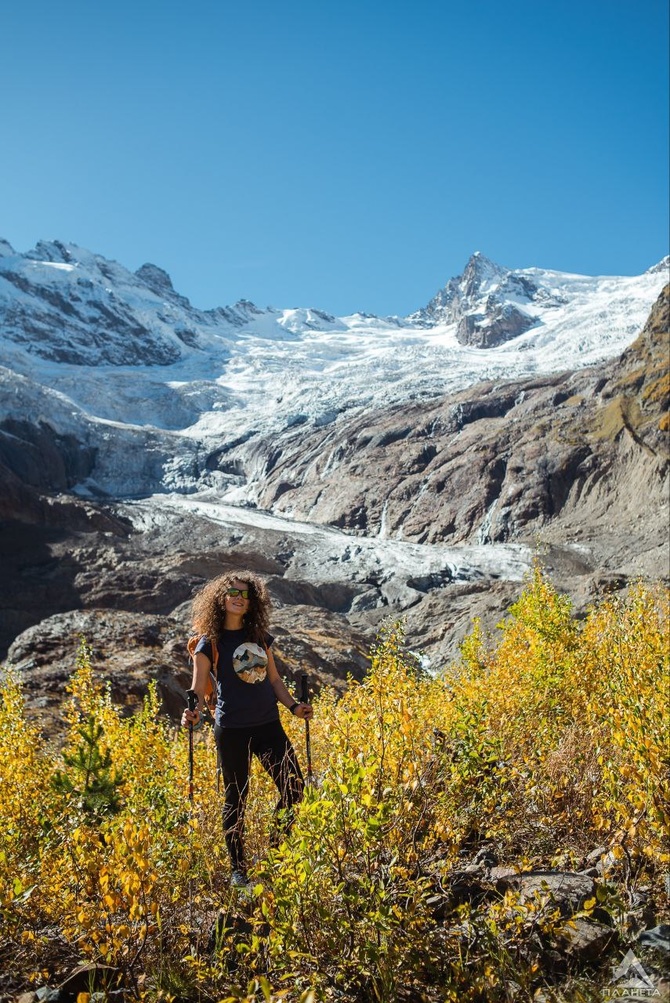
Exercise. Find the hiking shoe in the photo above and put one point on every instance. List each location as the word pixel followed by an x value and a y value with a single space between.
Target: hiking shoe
pixel 238 879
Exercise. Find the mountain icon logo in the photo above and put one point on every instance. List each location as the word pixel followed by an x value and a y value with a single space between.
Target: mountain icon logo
pixel 630 981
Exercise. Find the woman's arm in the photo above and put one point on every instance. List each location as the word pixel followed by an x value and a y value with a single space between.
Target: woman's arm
pixel 303 710
pixel 201 669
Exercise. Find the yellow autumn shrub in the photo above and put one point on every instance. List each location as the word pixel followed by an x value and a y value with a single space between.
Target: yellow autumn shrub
pixel 24 806
pixel 541 745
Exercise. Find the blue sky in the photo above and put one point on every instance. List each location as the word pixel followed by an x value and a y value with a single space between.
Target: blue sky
pixel 343 155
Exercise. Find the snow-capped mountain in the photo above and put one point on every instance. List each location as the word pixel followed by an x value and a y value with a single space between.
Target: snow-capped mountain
pixel 363 465
pixel 491 305
pixel 129 367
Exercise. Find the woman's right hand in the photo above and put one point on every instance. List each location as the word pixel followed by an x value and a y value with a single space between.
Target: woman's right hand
pixel 190 717
pixel 305 711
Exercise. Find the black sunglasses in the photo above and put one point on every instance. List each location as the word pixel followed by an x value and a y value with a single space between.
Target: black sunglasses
pixel 233 593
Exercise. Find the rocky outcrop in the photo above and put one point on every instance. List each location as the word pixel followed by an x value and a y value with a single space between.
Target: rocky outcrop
pixel 158 280
pixel 484 304
pixel 504 321
pixel 41 457
pixel 128 650
pixel 43 541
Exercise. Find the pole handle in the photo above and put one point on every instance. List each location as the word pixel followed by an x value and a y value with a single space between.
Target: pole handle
pixel 191 699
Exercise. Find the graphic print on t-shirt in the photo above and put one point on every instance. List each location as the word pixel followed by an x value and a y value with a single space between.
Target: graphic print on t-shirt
pixel 250 662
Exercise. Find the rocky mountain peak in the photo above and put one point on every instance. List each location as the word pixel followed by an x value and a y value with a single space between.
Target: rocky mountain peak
pixel 483 302
pixel 158 280
pixel 6 249
pixel 480 276
pixel 54 251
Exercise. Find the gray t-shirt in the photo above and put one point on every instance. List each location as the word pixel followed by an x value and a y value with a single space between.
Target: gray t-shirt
pixel 245 697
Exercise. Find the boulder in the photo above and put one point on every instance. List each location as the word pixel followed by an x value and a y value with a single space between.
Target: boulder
pixel 584 940
pixel 567 889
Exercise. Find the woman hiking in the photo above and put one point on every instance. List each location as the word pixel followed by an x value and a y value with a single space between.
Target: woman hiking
pixel 232 610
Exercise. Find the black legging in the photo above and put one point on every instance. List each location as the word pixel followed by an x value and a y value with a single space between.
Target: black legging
pixel 277 756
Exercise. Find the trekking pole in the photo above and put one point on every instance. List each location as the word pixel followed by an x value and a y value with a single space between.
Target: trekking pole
pixel 192 699
pixel 304 698
pixel 192 703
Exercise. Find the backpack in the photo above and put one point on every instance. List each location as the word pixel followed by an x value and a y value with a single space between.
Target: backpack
pixel 210 682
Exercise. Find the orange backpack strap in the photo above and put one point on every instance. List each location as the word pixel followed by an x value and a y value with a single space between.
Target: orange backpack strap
pixel 210 683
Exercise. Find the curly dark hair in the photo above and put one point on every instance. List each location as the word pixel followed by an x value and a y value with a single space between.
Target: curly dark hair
pixel 209 606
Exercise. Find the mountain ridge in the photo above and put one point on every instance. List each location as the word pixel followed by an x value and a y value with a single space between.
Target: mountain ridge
pixel 127 356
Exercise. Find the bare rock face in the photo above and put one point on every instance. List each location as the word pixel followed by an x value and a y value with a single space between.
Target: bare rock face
pixel 128 650
pixel 582 457
pixel 484 304
pixel 158 280
pixel 503 322
pixel 40 541
pixel 41 458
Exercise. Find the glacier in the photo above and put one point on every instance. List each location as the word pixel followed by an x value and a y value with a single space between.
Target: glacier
pixel 130 367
